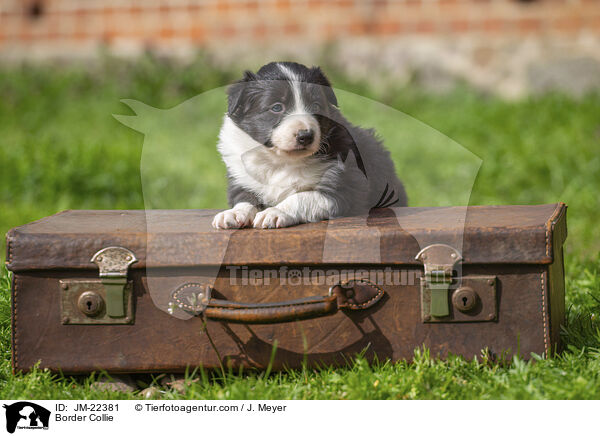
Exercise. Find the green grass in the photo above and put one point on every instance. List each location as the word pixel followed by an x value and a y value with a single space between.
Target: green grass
pixel 61 148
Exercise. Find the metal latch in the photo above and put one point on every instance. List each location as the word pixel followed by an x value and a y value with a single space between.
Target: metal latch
pixel 107 300
pixel 439 260
pixel 473 298
pixel 113 263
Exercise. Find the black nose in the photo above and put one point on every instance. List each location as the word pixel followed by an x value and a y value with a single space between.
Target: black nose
pixel 305 137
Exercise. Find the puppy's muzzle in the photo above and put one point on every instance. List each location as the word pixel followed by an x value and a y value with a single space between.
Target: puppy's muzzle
pixel 304 137
pixel 298 134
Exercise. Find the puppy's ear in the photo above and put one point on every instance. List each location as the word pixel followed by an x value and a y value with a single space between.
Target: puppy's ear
pixel 249 76
pixel 319 78
pixel 235 93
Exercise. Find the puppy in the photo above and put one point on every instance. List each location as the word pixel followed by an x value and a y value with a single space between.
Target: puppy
pixel 292 157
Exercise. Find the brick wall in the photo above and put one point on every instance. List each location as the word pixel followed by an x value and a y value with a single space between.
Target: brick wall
pixel 480 32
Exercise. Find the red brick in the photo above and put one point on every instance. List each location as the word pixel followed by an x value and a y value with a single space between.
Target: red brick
pixel 529 24
pixel 167 33
pixel 282 4
pixel 358 27
pixel 459 26
pixel 259 31
pixel 223 6
pixel 388 27
pixel 249 5
pixel 80 35
pixel 568 24
pixel 109 36
pixel 328 31
pixel 197 33
pixel 194 7
pixel 226 31
pixel 291 29
pixel 425 26
pixel 315 4
pixel 24 35
pixel 493 24
pixel 109 12
pixel 336 18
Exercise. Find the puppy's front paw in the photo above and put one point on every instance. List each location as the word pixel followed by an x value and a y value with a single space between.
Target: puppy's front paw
pixel 234 218
pixel 272 218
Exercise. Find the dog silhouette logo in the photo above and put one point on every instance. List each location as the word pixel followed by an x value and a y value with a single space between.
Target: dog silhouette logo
pixel 26 415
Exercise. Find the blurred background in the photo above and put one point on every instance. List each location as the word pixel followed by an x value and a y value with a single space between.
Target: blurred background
pixel 509 47
pixel 513 83
pixel 479 102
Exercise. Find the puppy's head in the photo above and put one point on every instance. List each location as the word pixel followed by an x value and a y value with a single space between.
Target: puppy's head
pixel 284 106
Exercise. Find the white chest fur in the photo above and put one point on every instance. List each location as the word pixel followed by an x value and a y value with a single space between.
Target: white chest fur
pixel 271 177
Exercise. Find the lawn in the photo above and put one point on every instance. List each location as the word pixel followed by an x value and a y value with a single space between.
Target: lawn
pixel 61 148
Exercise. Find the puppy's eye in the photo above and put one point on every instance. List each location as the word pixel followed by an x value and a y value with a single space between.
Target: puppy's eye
pixel 315 107
pixel 277 107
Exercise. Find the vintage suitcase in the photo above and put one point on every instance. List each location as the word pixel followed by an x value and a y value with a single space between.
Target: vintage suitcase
pixel 161 290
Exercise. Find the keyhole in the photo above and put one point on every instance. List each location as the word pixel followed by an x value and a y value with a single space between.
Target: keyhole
pixel 464 300
pixel 89 304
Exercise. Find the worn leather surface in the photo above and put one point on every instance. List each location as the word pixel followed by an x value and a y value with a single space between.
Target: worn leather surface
pixel 518 244
pixel 357 294
pixel 170 238
pixel 392 328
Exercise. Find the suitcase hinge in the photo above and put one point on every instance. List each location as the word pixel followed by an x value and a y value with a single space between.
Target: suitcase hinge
pixel 113 263
pixel 439 261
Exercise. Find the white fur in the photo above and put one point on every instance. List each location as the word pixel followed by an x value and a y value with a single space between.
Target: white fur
pixel 242 215
pixel 272 218
pixel 273 178
pixel 296 185
pixel 289 183
pixel 295 82
pixel 297 190
pixel 284 135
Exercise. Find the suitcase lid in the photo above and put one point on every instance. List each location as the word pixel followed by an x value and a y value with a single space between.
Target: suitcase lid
pixel 392 236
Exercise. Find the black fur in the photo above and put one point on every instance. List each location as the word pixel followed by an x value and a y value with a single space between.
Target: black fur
pixel 238 194
pixel 250 98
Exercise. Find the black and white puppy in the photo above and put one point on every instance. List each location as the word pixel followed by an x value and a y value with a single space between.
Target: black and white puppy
pixel 292 157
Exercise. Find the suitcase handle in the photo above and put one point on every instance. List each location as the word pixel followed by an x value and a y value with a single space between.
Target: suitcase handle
pixel 352 295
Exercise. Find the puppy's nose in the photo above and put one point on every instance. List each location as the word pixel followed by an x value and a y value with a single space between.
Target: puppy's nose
pixel 305 137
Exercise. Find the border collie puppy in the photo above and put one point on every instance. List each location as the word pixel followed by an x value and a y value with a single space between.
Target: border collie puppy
pixel 292 157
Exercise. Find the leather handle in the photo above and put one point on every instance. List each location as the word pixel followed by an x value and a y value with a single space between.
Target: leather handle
pixel 270 313
pixel 353 295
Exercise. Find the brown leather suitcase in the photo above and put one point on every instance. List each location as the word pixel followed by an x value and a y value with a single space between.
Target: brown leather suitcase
pixel 161 290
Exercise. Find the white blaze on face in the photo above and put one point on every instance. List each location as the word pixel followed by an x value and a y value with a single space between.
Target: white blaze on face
pixel 284 136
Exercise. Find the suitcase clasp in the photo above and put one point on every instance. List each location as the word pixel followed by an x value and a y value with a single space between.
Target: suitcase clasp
pixel 113 263
pixel 473 297
pixel 107 300
pixel 439 261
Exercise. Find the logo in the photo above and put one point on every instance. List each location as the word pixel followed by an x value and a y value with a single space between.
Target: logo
pixel 26 415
